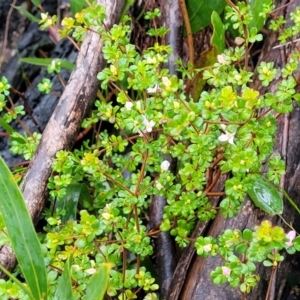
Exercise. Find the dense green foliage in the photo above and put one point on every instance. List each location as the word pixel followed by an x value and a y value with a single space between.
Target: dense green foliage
pixel 100 193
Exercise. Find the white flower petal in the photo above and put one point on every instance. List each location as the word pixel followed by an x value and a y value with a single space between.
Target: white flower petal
pixel 227 136
pixel 165 165
pixel 166 81
pixel 158 185
pixel 149 124
pixel 226 271
pixel 44 16
pixel 223 138
pixel 291 236
pixel 207 248
pixel 239 40
pixel 91 271
pixel 153 90
pixel 128 105
pixel 230 140
pixel 221 59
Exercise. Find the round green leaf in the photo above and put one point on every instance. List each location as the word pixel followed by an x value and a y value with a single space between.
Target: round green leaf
pixel 241 248
pixel 247 235
pixel 266 197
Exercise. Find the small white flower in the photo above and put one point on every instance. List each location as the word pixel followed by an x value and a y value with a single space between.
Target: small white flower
pixel 227 136
pixel 158 185
pixel 91 271
pixel 149 124
pixel 290 236
pixel 76 267
pixel 221 59
pixel 167 82
pixel 151 60
pixel 113 70
pixel 53 63
pixel 165 165
pixel 155 89
pixel 226 271
pixel 207 248
pixel 128 105
pixel 239 40
pixel 44 16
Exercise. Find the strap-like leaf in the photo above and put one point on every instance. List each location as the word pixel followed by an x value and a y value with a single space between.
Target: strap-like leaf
pixel 23 238
pixel 64 288
pixel 27 14
pixel 45 62
pixel 97 285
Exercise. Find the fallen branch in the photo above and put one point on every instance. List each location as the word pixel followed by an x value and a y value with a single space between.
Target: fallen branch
pixel 62 129
pixel 166 254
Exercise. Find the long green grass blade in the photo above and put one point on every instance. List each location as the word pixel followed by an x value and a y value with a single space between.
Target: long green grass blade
pixel 27 14
pixel 75 193
pixel 36 2
pixel 97 286
pixel 6 126
pixel 23 238
pixel 64 288
pixel 77 6
pixel 45 62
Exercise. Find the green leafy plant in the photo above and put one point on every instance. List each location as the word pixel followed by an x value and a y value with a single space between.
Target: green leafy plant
pixel 25 244
pixel 100 192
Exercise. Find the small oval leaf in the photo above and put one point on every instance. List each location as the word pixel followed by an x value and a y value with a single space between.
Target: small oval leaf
pixel 266 197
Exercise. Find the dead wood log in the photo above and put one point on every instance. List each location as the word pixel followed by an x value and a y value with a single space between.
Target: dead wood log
pixel 63 127
pixel 197 284
pixel 180 274
pixel 165 252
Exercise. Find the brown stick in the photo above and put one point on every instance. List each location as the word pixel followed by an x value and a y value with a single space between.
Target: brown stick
pixel 166 254
pixel 62 129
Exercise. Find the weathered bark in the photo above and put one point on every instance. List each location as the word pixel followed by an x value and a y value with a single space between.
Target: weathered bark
pixel 197 284
pixel 166 254
pixel 63 127
pixel 180 274
pixel 172 19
